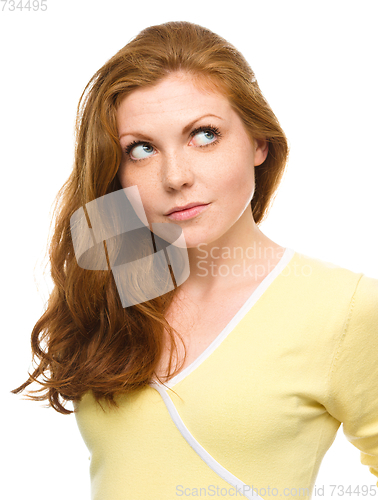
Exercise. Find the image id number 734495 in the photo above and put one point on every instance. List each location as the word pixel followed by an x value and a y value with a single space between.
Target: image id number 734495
pixel 22 5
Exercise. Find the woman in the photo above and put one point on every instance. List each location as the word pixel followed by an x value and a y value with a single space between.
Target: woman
pixel 275 348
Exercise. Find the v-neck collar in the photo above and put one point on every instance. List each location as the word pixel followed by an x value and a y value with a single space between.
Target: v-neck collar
pixel 252 299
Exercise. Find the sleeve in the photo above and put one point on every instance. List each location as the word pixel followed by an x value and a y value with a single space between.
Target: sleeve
pixel 353 377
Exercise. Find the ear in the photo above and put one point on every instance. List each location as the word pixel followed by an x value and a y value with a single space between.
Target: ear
pixel 261 151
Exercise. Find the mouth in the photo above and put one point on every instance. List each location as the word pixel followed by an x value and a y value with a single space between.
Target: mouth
pixel 187 213
pixel 184 207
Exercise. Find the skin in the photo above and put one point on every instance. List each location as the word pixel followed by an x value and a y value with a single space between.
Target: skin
pixel 175 170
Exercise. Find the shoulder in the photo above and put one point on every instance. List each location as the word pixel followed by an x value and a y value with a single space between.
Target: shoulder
pixel 364 305
pixel 312 284
pixel 324 277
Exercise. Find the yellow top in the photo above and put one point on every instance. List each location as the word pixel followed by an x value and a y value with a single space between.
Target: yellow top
pixel 261 406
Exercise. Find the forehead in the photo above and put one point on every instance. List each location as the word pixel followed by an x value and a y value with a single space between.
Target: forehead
pixel 175 95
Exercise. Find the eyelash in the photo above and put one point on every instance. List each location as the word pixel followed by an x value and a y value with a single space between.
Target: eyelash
pixel 209 128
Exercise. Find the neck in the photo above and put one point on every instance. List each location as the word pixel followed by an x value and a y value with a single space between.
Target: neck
pixel 242 255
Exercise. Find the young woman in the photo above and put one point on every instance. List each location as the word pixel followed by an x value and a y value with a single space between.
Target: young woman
pixel 234 381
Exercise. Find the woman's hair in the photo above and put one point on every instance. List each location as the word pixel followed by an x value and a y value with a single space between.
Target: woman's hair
pixel 85 340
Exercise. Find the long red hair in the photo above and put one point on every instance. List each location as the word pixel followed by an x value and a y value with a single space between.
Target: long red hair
pixel 85 340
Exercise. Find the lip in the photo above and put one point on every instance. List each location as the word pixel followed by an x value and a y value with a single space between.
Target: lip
pixel 188 213
pixel 184 207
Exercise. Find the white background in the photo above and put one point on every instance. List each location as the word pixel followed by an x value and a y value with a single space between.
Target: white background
pixel 316 63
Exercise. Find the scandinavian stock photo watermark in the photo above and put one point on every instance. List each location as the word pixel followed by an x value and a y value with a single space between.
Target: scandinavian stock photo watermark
pixel 326 491
pixel 236 262
pixel 112 233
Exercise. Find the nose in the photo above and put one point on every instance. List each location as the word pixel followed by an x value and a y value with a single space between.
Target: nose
pixel 176 172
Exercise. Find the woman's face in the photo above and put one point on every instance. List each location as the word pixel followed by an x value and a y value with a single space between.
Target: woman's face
pixel 184 145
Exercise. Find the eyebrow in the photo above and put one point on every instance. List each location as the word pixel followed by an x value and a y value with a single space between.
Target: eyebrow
pixel 184 130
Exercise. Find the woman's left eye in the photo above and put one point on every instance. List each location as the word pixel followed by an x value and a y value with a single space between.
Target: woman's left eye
pixel 206 135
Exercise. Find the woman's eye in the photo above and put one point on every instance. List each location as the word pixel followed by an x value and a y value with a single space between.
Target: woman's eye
pixel 204 137
pixel 141 151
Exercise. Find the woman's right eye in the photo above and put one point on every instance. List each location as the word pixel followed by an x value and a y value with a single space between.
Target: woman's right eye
pixel 139 150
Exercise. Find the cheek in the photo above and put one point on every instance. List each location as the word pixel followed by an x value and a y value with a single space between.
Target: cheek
pixel 147 190
pixel 238 177
pixel 237 164
pixel 122 176
pixel 129 177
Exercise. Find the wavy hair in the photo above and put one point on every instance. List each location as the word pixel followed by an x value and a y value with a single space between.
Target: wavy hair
pixel 85 340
